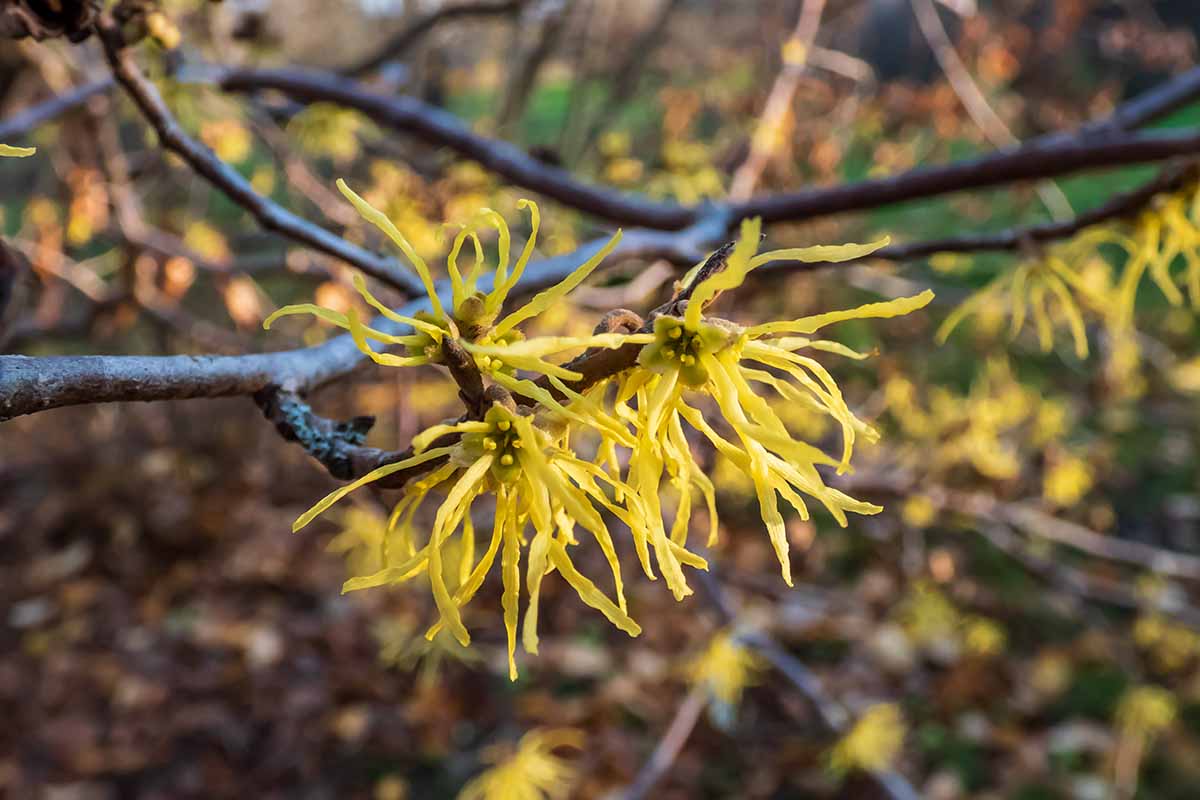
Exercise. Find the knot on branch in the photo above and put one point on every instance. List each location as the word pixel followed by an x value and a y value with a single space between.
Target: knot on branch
pixel 620 320
pixel 336 444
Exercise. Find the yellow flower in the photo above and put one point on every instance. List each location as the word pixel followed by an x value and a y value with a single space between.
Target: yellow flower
pixel 723 360
pixel 16 152
pixel 506 456
pixel 325 129
pixel 401 646
pixel 1028 292
pixel 1171 646
pixel 873 743
pixel 725 669
pixel 1145 711
pixel 361 539
pixel 1066 481
pixel 532 772
pixel 927 616
pixel 983 637
pixel 919 511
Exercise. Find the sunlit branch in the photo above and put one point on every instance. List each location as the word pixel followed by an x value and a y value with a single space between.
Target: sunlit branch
pixel 1047 156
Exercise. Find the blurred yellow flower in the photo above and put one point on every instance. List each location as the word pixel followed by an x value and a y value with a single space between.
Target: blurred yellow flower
pixel 983 637
pixel 725 669
pixel 1066 481
pixel 9 151
pixel 533 772
pixel 918 511
pixel 873 743
pixel 228 138
pixel 1146 711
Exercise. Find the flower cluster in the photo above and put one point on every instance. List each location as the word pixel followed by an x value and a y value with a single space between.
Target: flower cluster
pixel 1054 288
pixel 532 772
pixel 516 459
pixel 873 743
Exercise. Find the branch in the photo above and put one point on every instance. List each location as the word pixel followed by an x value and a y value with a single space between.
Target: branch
pixel 779 100
pixel 1151 105
pixel 19 125
pixel 972 97
pixel 1119 206
pixel 441 128
pixel 408 37
pixel 1043 157
pixel 29 385
pixel 672 742
pixel 205 163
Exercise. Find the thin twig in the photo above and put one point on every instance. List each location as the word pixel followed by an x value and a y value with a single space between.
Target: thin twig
pixel 779 101
pixel 20 124
pixel 1047 156
pixel 672 742
pixel 972 98
pixel 206 164
pixel 403 41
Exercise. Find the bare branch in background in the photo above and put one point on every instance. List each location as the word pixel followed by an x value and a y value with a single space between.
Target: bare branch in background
pixel 972 98
pixel 1047 156
pixel 669 746
pixel 403 41
pixel 551 19
pixel 18 126
pixel 626 76
pixel 796 53
pixel 206 164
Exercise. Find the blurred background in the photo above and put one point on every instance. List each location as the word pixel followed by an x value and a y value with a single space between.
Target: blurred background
pixel 1020 622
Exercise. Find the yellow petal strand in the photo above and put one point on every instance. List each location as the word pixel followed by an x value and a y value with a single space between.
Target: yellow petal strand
pixel 1041 316
pixel 730 277
pixel 885 310
pixel 511 578
pixel 794 343
pixel 964 310
pixel 1019 299
pixel 424 326
pixel 548 297
pixel 467 558
pixel 1071 311
pixel 380 220
pixel 307 308
pixel 452 509
pixel 588 592
pixel 546 345
pixel 427 436
pixel 360 332
pixel 457 286
pixel 821 253
pixel 537 561
pixel 518 361
pixel 9 151
pixel 373 475
pixel 397 574
pixel 504 246
pixel 503 285
pixel 474 581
